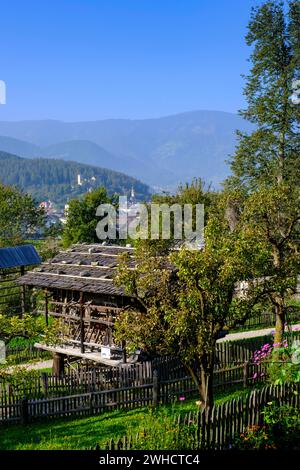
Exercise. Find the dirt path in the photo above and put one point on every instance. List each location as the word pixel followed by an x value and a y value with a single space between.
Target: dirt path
pixel 252 334
pixel 34 365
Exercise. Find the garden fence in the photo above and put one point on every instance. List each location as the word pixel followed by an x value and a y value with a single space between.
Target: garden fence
pixel 149 390
pixel 217 429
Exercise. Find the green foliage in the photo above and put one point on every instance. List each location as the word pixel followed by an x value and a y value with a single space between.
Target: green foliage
pixel 280 431
pixel 81 220
pixel 271 215
pixel 187 297
pixel 287 369
pixel 271 152
pixel 19 376
pixel 281 362
pixel 49 248
pixel 30 327
pixel 161 431
pixel 18 214
pixel 266 162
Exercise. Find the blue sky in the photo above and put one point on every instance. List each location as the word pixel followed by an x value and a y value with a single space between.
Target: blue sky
pixel 95 59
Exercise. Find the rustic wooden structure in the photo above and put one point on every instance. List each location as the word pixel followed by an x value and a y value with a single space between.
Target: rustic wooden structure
pixel 79 289
pixel 14 261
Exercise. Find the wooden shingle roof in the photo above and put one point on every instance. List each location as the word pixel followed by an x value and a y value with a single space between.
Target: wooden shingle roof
pixel 83 267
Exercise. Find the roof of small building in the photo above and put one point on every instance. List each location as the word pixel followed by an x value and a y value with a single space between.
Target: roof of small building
pixel 23 255
pixel 82 267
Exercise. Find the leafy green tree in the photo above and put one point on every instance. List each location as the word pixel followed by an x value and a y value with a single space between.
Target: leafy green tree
pixel 81 217
pixel 188 296
pixel 193 193
pixel 30 327
pixel 270 153
pixel 266 165
pixel 19 216
pixel 273 215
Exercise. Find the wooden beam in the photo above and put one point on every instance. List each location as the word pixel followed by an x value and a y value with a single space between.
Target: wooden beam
pixel 93 345
pixel 46 308
pixel 81 302
pixel 99 308
pixel 58 364
pixel 77 318
pixel 124 352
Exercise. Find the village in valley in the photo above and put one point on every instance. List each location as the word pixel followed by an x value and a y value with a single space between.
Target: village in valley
pixel 159 317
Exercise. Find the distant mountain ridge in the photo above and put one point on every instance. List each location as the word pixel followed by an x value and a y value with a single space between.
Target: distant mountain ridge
pixel 162 151
pixel 57 179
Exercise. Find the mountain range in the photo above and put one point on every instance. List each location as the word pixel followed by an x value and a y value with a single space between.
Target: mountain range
pixel 161 152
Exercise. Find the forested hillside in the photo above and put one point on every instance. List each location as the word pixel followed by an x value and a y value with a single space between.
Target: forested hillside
pixel 57 180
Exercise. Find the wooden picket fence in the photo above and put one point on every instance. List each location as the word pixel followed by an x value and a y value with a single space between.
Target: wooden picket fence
pixel 45 385
pixel 267 319
pixel 232 360
pixel 59 393
pixel 217 429
pixel 14 408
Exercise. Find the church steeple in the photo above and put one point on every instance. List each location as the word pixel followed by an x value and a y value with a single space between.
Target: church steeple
pixel 132 195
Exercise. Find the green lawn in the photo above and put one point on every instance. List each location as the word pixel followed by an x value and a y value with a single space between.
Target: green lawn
pixel 86 432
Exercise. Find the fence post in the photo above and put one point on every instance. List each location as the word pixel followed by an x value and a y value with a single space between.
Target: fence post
pixel 44 377
pixel 155 392
pixel 24 412
pixel 91 403
pixel 245 374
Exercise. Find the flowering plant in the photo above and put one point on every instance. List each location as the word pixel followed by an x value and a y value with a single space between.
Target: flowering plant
pixel 281 361
pixel 280 430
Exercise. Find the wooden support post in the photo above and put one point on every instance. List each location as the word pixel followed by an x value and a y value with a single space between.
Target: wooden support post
pixel 22 271
pixel 46 308
pixel 81 301
pixel 109 333
pixel 246 374
pixel 24 412
pixel 155 393
pixel 45 385
pixel 58 364
pixel 124 352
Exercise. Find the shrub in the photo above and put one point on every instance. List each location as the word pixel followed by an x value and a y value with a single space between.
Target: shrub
pixel 280 430
pixel 281 361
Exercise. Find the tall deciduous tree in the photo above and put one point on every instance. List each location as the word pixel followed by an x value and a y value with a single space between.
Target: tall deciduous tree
pixel 273 215
pixel 267 161
pixel 188 297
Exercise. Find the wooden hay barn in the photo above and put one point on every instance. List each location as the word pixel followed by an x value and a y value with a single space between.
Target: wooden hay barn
pixel 79 289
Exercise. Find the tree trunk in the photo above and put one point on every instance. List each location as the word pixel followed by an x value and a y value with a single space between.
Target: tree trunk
pixel 280 322
pixel 206 388
pixel 203 378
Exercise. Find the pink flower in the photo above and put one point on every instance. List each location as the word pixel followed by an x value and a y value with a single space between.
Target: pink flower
pixel 181 398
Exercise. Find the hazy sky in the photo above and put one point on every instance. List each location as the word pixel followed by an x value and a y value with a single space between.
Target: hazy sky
pixel 94 59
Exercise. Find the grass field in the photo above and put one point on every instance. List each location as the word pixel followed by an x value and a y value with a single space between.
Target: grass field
pixel 85 433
